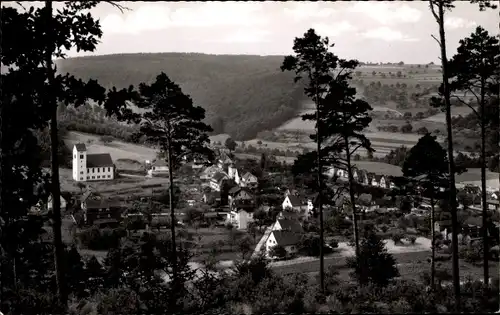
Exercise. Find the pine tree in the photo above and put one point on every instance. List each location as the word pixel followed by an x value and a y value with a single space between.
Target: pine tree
pixel 172 121
pixel 373 264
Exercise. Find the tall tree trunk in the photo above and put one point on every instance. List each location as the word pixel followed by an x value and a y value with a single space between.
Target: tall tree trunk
pixel 433 244
pixel 486 270
pixel 451 161
pixel 351 194
pixel 320 201
pixel 54 141
pixel 172 224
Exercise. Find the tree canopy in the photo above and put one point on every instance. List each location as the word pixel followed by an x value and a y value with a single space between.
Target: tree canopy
pixel 242 95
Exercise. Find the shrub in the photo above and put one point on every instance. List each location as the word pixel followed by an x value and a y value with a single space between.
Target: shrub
pixel 334 243
pixel 412 239
pixel 384 228
pixel 396 237
pixel 310 246
pixel 278 251
pixel 373 264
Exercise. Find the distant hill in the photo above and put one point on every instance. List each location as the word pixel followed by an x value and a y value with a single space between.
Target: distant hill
pixel 241 94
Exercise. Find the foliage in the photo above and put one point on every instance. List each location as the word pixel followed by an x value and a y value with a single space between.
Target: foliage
pixel 412 239
pixel 278 251
pixel 373 264
pixel 243 80
pixel 310 245
pixel 96 239
pixel 230 144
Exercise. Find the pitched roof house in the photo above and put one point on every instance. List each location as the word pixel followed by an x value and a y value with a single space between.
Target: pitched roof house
pixel 363 177
pixel 286 239
pixel 288 225
pixel 249 180
pixel 240 197
pixel 217 180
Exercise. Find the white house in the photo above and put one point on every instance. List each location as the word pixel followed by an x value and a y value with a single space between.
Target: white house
pixel 233 174
pixel 91 167
pixel 240 218
pixel 287 225
pixel 286 239
pixel 249 180
pixel 158 167
pixel 209 172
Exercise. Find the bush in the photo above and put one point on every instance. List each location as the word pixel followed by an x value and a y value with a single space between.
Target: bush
pixel 396 237
pixel 278 251
pixel 373 264
pixel 96 239
pixel 310 246
pixel 412 239
pixel 334 243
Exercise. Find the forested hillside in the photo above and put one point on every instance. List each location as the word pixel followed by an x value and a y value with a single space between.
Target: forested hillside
pixel 241 94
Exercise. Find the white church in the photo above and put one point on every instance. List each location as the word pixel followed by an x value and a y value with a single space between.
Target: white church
pixel 91 167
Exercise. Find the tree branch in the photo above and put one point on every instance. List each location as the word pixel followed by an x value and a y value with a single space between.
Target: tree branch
pixel 468 105
pixel 431 6
pixel 354 150
pixel 118 6
pixel 439 43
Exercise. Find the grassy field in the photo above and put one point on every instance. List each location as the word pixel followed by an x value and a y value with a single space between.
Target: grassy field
pixel 455 111
pixel 121 186
pixel 410 265
pixel 117 149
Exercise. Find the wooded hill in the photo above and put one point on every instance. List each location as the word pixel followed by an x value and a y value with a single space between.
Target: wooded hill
pixel 241 94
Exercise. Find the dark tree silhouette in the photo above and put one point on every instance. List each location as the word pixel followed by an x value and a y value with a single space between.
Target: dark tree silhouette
pixel 373 264
pixel 313 60
pixel 175 124
pixel 438 8
pixel 33 59
pixel 345 119
pixel 475 69
pixel 230 144
pixel 427 165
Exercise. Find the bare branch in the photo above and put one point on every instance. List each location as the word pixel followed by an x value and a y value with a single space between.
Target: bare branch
pixel 467 104
pixel 118 6
pixel 21 5
pixel 439 43
pixel 354 150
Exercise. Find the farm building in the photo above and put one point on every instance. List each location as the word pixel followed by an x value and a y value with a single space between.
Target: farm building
pixel 91 167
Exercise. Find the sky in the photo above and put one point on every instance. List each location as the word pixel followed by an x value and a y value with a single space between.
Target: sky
pixel 367 31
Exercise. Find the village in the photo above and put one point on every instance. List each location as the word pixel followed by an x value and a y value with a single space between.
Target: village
pixel 235 208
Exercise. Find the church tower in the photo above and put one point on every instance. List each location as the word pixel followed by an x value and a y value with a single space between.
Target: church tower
pixel 79 162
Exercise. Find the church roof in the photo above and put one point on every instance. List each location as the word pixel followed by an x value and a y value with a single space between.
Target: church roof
pixel 80 147
pixel 99 160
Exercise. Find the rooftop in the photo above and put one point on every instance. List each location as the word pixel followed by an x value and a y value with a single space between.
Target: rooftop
pixel 80 147
pixel 286 238
pixel 99 160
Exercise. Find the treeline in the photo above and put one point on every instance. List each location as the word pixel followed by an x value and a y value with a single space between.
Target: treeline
pixel 241 94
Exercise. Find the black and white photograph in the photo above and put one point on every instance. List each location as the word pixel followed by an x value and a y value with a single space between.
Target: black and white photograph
pixel 249 157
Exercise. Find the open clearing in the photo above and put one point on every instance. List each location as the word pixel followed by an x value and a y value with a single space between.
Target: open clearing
pixel 117 149
pixel 455 111
pixel 119 186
